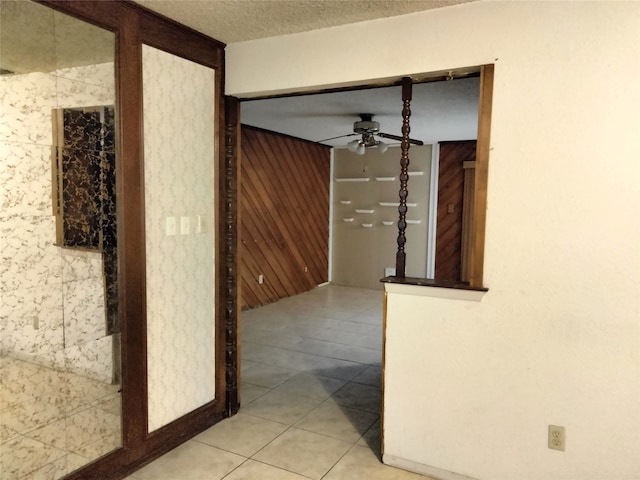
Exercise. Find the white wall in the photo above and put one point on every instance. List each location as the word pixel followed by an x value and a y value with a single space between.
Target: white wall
pixel 471 387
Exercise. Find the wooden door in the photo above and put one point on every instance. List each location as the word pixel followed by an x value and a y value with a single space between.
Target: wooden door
pixel 450 247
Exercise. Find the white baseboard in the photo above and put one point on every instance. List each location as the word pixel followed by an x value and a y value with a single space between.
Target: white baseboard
pixel 436 473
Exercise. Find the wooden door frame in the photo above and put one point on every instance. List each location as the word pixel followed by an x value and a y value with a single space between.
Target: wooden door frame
pixel 133 27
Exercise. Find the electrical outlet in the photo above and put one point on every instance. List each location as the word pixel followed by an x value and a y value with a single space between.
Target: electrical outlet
pixel 556 438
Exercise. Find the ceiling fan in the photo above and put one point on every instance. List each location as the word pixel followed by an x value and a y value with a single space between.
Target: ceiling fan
pixel 369 129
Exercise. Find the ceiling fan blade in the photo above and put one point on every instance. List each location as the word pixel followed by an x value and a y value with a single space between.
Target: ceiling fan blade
pixel 339 136
pixel 398 138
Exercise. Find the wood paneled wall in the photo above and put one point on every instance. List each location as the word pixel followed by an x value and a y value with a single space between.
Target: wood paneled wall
pixel 451 191
pixel 284 216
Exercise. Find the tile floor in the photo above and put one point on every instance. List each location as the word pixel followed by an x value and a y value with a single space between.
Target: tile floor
pixel 310 397
pixel 52 422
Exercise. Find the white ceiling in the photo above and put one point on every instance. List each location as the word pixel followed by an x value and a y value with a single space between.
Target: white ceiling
pixel 231 21
pixel 446 110
pixel 440 110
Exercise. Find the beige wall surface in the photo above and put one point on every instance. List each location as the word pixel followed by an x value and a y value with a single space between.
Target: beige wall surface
pixel 362 252
pixel 471 387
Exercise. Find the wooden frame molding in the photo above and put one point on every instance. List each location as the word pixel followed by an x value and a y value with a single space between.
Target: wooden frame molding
pixel 229 183
pixel 135 26
pixel 479 219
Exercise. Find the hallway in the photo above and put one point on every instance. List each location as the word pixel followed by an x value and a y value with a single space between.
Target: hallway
pixel 310 393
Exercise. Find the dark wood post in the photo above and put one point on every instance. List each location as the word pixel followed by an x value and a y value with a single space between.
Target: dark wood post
pixel 230 295
pixel 401 257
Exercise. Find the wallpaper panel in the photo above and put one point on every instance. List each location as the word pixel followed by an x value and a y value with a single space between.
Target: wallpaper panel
pixel 179 136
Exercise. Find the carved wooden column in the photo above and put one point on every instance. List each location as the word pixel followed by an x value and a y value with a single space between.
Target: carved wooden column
pixel 401 256
pixel 230 289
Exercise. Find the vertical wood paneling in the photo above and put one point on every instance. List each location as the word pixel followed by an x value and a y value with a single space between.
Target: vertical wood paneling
pixel 284 227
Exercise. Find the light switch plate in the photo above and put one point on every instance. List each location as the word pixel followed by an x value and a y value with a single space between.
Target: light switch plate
pixel 185 225
pixel 171 226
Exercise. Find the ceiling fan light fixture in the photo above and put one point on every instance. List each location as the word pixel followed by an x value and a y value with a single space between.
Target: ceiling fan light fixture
pixel 383 147
pixel 360 150
pixel 353 145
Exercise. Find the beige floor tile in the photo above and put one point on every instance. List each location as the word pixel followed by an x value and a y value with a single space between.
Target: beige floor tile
pixel 362 464
pixel 6 433
pixel 58 468
pixel 339 422
pixel 305 453
pixel 361 397
pixel 265 375
pixel 191 461
pixel 27 416
pixel 249 392
pixel 22 456
pixel 312 386
pixel 371 437
pixel 242 434
pixel 281 407
pixel 371 376
pixel 78 430
pixel 252 470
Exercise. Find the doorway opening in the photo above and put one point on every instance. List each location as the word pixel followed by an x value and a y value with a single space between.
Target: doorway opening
pixel 315 359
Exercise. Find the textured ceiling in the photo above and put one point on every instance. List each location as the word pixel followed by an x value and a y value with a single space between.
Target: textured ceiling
pixel 231 21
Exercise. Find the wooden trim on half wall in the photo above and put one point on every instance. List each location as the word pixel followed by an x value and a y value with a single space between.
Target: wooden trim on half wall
pixel 476 256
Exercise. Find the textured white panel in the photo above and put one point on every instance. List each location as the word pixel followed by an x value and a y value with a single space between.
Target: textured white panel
pixel 179 161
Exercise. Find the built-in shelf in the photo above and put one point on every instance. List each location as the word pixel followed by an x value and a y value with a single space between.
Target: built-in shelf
pixel 347 219
pixel 355 179
pixel 385 179
pixel 413 222
pixel 387 223
pixel 367 225
pixel 362 210
pixel 345 202
pixel 415 174
pixel 395 204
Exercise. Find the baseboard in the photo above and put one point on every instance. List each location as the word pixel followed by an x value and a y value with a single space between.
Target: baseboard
pixel 436 473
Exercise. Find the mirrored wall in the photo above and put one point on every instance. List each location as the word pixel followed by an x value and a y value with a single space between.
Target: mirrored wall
pixel 60 403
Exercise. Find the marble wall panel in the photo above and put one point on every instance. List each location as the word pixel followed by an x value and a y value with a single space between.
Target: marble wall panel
pixel 25 179
pixel 27 101
pixel 83 311
pixel 100 75
pixel 28 257
pixel 34 273
pixel 91 359
pixel 32 324
pixel 80 264
pixel 74 93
